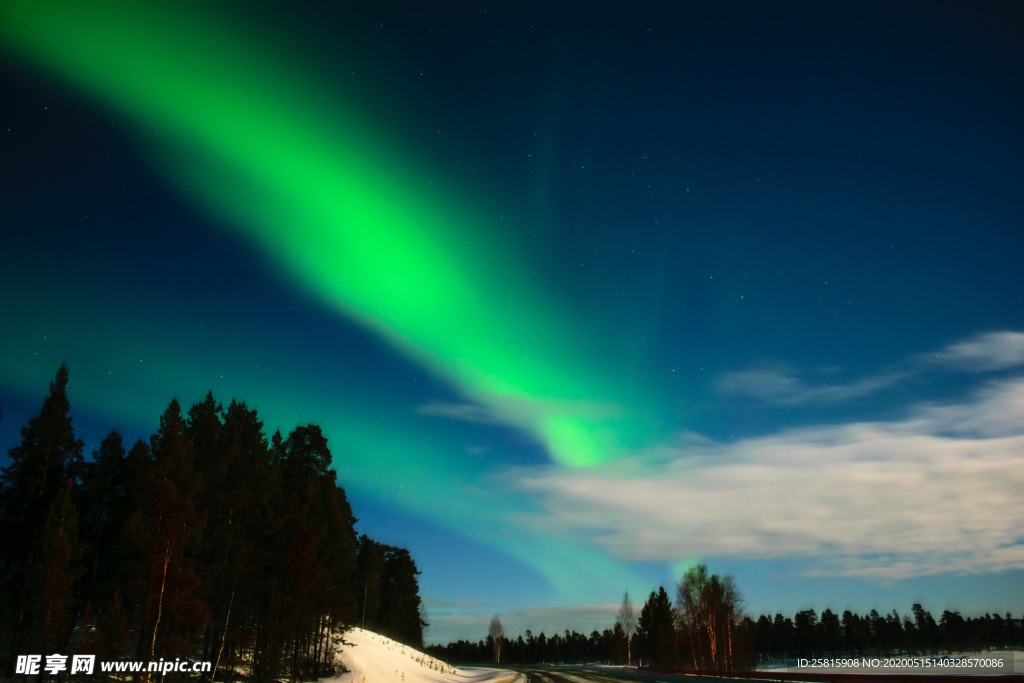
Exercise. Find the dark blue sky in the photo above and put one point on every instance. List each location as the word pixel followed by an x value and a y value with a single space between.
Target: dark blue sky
pixel 785 242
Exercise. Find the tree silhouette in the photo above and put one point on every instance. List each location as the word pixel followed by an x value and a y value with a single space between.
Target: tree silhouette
pixel 48 455
pixel 496 636
pixel 709 608
pixel 58 571
pixel 656 631
pixel 627 619
pixel 207 542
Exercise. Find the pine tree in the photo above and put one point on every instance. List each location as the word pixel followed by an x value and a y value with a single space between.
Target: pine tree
pixel 370 576
pixel 663 632
pixel 228 544
pixel 165 525
pixel 830 632
pixel 401 602
pixel 655 634
pixel 927 629
pixel 619 653
pixel 237 497
pixel 105 502
pixel 644 626
pixel 111 638
pixel 48 456
pixel 57 571
pixel 765 641
pixel 806 623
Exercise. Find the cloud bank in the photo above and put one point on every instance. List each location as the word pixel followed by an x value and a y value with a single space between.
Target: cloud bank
pixel 781 386
pixel 992 351
pixel 464 412
pixel 940 492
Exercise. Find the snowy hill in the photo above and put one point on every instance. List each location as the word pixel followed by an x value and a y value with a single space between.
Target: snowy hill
pixel 372 658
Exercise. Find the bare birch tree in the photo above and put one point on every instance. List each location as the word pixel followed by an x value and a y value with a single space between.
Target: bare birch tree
pixel 708 609
pixel 627 619
pixel 496 632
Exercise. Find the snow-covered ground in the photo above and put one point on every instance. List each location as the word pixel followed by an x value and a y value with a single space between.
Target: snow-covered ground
pixel 372 658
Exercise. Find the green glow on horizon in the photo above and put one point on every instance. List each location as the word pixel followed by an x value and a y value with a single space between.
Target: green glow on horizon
pixel 252 140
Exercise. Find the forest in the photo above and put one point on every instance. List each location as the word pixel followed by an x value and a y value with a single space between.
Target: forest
pixel 209 542
pixel 706 629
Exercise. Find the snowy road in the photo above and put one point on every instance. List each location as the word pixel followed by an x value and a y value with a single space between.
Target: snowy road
pixel 602 675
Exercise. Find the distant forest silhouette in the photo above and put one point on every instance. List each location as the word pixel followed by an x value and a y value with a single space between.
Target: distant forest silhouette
pixel 705 629
pixel 207 542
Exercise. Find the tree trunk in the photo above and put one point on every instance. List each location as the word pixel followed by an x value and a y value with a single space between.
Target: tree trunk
pixel 46 465
pixel 159 606
pixel 224 632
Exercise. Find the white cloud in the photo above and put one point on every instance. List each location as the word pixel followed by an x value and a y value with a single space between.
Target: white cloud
pixel 435 603
pixel 465 412
pixel 779 384
pixel 991 351
pixel 515 410
pixel 940 492
pixel 997 412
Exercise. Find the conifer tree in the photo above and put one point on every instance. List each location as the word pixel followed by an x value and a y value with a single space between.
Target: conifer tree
pixel 48 455
pixel 830 632
pixel 765 641
pixel 642 642
pixel 105 502
pixel 619 651
pixel 165 524
pixel 57 571
pixel 206 539
pixel 370 561
pixel 662 633
pixel 401 602
pixel 805 623
pixel 238 496
pixel 112 634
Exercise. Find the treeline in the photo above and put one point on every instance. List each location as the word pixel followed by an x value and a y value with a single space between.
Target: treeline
pixel 809 635
pixel 570 648
pixel 705 629
pixel 208 542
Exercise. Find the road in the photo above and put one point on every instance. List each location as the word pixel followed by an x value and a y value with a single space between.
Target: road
pixel 584 674
pixel 600 674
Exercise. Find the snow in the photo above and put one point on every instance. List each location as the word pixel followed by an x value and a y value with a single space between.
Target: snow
pixel 372 658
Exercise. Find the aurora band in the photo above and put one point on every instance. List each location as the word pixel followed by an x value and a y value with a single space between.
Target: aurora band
pixel 252 139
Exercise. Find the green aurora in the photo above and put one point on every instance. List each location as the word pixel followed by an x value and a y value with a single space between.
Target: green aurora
pixel 345 221
pixel 339 212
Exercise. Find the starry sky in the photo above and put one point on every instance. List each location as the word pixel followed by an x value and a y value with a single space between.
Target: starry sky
pixel 581 294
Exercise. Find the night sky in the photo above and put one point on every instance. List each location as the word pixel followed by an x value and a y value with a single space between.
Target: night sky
pixel 580 293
